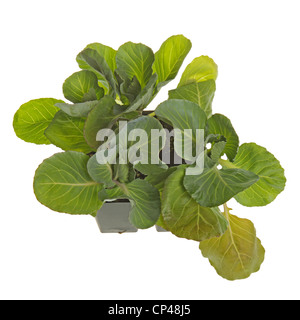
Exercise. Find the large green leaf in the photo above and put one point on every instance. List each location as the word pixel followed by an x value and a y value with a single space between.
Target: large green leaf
pixel 33 118
pixel 82 86
pixel 238 252
pixel 77 110
pixel 92 60
pixel 103 116
pixel 219 124
pixel 66 133
pixel 201 93
pixel 183 115
pixel 214 187
pixel 200 69
pixel 184 217
pixel 101 173
pixel 271 181
pixel 169 58
pixel 144 198
pixel 135 60
pixel 63 184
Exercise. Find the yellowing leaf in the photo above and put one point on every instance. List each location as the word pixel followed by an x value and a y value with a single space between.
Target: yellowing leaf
pixel 184 217
pixel 238 252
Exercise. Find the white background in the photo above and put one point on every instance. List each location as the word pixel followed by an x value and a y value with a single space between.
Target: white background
pixel 47 255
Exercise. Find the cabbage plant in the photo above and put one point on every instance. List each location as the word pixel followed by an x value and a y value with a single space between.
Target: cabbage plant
pixel 114 87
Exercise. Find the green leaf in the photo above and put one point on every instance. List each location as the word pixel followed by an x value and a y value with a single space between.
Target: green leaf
pixel 92 60
pixel 147 169
pixel 169 58
pixel 109 56
pixel 145 200
pixel 158 179
pixel 258 160
pixel 111 194
pixel 214 187
pixel 121 110
pixel 184 217
pixel 201 93
pixel 102 116
pixel 77 110
pixel 101 173
pixel 217 151
pixel 238 252
pixel 182 115
pixel 200 69
pixel 33 118
pixel 66 133
pixel 144 97
pixel 108 53
pixel 129 88
pixel 63 184
pixel 135 60
pixel 219 124
pixel 82 86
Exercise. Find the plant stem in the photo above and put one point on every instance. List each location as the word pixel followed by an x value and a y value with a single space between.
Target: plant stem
pixel 122 186
pixel 151 114
pixel 226 210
